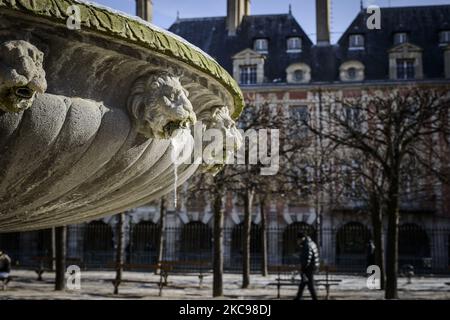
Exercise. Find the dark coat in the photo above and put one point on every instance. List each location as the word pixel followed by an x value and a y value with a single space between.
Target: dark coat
pixel 309 255
pixel 5 263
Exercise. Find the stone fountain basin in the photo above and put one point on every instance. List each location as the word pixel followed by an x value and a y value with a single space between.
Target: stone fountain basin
pixel 78 152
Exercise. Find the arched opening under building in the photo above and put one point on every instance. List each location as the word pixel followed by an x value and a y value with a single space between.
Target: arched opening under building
pixel 145 237
pixel 98 245
pixel 448 252
pixel 351 247
pixel 10 244
pixel 414 247
pixel 237 245
pixel 290 246
pixel 196 242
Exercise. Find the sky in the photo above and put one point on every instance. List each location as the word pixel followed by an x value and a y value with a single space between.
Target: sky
pixel 342 11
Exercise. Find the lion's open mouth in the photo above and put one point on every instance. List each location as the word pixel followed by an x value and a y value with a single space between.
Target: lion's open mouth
pixel 172 126
pixel 24 92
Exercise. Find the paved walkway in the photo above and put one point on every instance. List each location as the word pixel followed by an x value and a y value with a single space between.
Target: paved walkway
pixel 97 285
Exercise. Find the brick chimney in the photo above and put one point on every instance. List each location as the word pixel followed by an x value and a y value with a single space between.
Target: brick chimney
pixel 144 9
pixel 323 22
pixel 236 10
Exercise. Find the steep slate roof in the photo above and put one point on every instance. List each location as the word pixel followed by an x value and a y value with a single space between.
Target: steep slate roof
pixel 211 35
pixel 422 23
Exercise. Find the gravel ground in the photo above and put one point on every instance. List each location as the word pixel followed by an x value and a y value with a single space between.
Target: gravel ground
pixel 98 285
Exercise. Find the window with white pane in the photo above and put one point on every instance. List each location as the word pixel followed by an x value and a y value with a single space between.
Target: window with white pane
pixel 294 44
pixel 400 37
pixel 261 45
pixel 247 74
pixel 444 37
pixel 356 41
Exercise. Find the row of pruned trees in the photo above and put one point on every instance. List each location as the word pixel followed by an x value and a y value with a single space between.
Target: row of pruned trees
pixel 382 145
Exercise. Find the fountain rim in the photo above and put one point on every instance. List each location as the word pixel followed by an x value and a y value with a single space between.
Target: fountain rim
pixel 134 30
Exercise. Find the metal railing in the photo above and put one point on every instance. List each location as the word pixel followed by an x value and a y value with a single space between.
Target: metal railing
pixel 345 248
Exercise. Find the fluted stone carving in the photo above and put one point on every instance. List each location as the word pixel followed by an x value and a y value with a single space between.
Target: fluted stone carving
pixel 93 134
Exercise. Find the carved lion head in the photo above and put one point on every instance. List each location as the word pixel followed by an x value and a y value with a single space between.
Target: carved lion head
pixel 160 105
pixel 21 75
pixel 219 118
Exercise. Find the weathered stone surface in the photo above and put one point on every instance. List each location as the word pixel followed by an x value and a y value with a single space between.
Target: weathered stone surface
pixel 21 75
pixel 97 141
pixel 160 105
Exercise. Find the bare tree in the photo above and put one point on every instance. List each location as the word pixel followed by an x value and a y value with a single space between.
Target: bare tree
pixel 120 250
pixel 161 232
pixel 206 185
pixel 388 127
pixel 60 250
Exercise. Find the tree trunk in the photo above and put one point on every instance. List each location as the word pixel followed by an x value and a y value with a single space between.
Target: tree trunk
pixel 120 250
pixel 392 211
pixel 162 227
pixel 264 271
pixel 248 200
pixel 53 253
pixel 60 255
pixel 377 225
pixel 218 244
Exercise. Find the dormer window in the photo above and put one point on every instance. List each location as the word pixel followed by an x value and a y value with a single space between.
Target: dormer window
pixel 356 42
pixel 298 73
pixel 400 37
pixel 261 45
pixel 352 71
pixel 444 37
pixel 405 62
pixel 294 44
pixel 248 67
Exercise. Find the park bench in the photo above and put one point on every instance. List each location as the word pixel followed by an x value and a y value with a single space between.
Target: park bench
pixel 45 264
pixel 287 275
pixel 164 269
pixel 4 281
pixel 161 269
pixel 201 267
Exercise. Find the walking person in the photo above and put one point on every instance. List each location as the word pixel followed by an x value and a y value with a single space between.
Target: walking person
pixel 309 262
pixel 5 268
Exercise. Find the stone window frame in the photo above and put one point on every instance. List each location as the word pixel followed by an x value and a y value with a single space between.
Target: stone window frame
pixel 358 66
pixel 245 58
pixel 359 45
pixel 294 49
pixel 405 51
pixel 264 49
pixel 291 69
